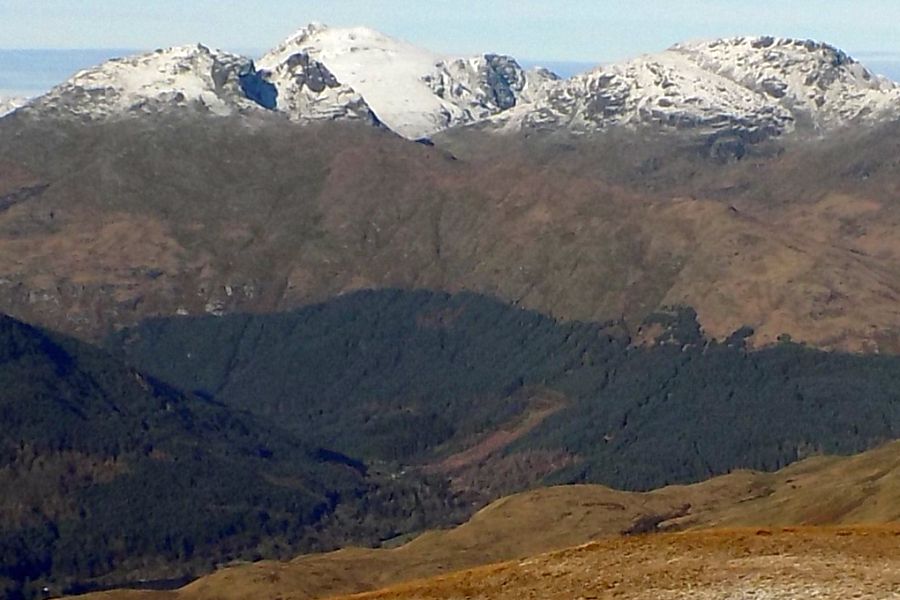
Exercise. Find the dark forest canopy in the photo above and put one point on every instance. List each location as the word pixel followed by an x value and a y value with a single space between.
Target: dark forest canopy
pixel 108 475
pixel 408 375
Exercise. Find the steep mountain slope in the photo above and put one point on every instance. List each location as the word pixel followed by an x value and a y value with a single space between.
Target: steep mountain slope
pixel 273 217
pixel 108 476
pixel 821 490
pixel 416 377
pixel 185 77
pixel 752 88
pixel 413 91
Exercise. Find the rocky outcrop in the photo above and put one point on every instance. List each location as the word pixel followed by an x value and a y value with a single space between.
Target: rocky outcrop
pixel 308 91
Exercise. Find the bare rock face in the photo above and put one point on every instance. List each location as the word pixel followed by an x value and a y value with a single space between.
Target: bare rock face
pixel 310 73
pixel 482 86
pixel 308 91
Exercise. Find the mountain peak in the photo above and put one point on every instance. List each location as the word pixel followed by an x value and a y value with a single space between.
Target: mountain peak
pixel 192 77
pixel 338 40
pixel 415 92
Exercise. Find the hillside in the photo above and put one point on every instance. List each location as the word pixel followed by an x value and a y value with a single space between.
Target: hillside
pixel 432 378
pixel 273 217
pixel 822 491
pixel 108 476
pixel 748 178
pixel 356 290
pixel 779 564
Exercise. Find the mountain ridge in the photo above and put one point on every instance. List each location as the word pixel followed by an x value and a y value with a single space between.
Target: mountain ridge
pixel 8 104
pixel 756 87
pixel 750 87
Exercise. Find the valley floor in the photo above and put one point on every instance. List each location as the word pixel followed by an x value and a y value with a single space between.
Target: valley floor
pixel 761 564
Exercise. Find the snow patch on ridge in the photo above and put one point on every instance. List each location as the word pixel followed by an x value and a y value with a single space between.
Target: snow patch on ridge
pixel 745 89
pixel 185 77
pixel 820 84
pixel 9 104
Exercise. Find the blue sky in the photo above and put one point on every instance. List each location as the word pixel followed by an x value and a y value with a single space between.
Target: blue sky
pixel 582 31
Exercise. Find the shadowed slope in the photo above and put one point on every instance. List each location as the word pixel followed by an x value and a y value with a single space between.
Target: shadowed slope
pixel 109 476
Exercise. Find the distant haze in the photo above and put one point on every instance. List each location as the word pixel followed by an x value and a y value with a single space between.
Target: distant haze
pixel 33 72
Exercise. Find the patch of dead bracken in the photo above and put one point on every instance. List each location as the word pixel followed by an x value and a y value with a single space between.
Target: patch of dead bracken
pixel 771 564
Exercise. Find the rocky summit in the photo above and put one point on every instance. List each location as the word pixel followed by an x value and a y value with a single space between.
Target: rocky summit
pixel 752 88
pixel 758 87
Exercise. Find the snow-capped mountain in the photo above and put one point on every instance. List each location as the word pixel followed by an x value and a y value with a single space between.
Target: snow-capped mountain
pixel 755 86
pixel 751 87
pixel 412 91
pixel 10 103
pixel 183 77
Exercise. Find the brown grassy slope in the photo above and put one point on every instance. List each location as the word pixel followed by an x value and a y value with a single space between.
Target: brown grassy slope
pixel 820 490
pixel 831 563
pixel 797 237
pixel 213 215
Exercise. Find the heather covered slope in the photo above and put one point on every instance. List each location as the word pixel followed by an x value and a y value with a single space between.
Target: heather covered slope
pixel 821 491
pixel 109 476
pixel 264 217
pixel 421 377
